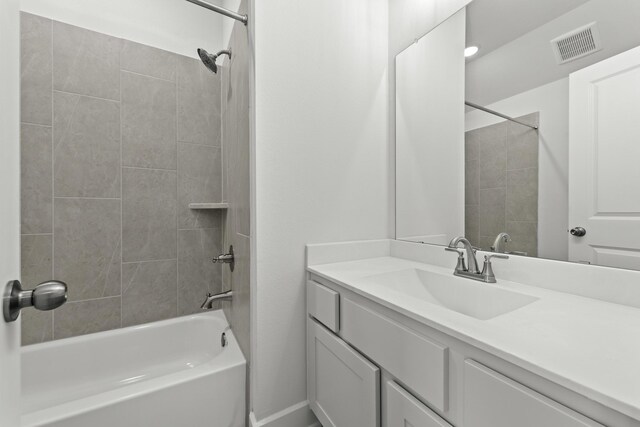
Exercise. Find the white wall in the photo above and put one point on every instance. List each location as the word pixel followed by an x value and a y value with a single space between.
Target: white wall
pixel 322 168
pixel 173 25
pixel 552 101
pixel 10 199
pixel 430 134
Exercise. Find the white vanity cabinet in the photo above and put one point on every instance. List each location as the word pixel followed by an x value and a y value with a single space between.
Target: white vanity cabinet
pixel 370 366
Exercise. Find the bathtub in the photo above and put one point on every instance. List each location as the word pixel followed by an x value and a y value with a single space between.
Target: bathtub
pixel 172 373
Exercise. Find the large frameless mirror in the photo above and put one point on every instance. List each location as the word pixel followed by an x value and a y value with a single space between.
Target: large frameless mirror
pixel 518 126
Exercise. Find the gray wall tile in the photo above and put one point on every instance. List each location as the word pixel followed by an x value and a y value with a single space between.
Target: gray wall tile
pixel 148 122
pixel 199 180
pixel 148 214
pixel 198 103
pixel 472 182
pixel 86 140
pixel 523 144
pixel 35 69
pixel 492 211
pixel 148 291
pixel 36 267
pixel 197 275
pixel 524 237
pixel 240 304
pixel 472 223
pixel 147 60
pixel 86 317
pixel 87 247
pixel 36 202
pixel 522 195
pixel 85 62
pixel 493 159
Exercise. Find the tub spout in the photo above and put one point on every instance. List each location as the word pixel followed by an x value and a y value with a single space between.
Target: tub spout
pixel 211 298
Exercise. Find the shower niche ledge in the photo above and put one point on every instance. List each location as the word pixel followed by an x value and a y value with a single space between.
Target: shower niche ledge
pixel 209 206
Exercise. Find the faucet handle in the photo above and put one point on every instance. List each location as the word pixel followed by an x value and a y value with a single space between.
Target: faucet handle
pixel 487 270
pixel 460 266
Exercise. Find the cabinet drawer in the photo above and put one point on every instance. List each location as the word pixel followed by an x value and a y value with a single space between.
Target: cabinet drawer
pixel 493 400
pixel 405 410
pixel 418 363
pixel 343 386
pixel 324 305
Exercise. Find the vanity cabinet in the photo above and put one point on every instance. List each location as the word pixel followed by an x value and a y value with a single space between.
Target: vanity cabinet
pixel 491 399
pixel 343 386
pixel 369 366
pixel 402 410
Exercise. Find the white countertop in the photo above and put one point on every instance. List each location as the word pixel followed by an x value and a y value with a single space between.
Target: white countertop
pixel 589 346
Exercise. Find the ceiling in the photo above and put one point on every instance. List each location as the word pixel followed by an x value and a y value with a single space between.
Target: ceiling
pixel 493 23
pixel 515 35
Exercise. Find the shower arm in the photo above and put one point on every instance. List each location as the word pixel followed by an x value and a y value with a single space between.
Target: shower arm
pixel 221 10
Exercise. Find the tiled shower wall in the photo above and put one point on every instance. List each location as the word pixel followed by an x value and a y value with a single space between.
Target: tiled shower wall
pixel 501 185
pixel 236 171
pixel 117 139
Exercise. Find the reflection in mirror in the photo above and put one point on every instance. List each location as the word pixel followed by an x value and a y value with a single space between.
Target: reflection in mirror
pixel 528 145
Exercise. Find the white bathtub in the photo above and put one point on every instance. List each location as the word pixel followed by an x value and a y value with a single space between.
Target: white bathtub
pixel 173 373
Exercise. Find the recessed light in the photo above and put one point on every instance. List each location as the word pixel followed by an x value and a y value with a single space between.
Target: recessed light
pixel 470 51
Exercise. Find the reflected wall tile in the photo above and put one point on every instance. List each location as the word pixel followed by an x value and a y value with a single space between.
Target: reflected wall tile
pixel 522 144
pixel 36 201
pixel 148 214
pixel 87 247
pixel 35 69
pixel 472 223
pixel 148 122
pixel 472 182
pixel 524 237
pixel 86 137
pixel 36 267
pixel 147 60
pixel 493 156
pixel 199 180
pixel 198 103
pixel 197 275
pixel 492 211
pixel 85 62
pixel 522 195
pixel 148 291
pixel 86 317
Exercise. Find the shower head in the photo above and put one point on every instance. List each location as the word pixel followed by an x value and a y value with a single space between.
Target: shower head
pixel 209 60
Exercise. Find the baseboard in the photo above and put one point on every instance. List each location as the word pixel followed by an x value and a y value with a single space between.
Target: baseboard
pixel 298 415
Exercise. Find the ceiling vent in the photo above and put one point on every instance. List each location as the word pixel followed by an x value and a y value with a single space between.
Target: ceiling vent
pixel 576 44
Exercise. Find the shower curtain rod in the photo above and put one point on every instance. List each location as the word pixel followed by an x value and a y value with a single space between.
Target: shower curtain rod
pixel 495 113
pixel 221 10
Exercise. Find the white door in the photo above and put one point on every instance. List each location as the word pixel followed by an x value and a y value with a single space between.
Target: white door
pixel 604 165
pixel 9 205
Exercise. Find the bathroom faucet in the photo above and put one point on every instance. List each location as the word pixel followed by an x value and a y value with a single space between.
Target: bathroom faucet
pixel 211 298
pixel 471 255
pixel 498 243
pixel 472 272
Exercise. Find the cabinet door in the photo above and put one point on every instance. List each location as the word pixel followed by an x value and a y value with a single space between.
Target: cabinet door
pixel 343 386
pixel 493 400
pixel 405 410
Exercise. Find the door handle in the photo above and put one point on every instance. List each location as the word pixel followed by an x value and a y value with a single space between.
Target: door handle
pixel 46 296
pixel 578 231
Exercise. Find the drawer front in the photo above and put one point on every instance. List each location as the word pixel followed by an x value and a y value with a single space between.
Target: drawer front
pixel 324 305
pixel 405 410
pixel 418 363
pixel 493 400
pixel 343 386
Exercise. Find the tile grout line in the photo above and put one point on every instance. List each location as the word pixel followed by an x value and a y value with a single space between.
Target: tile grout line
pixel 85 95
pixel 121 183
pixel 175 73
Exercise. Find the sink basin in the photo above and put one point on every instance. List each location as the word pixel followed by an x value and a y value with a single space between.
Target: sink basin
pixel 464 296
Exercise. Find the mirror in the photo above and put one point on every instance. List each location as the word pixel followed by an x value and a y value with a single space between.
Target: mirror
pixel 518 126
